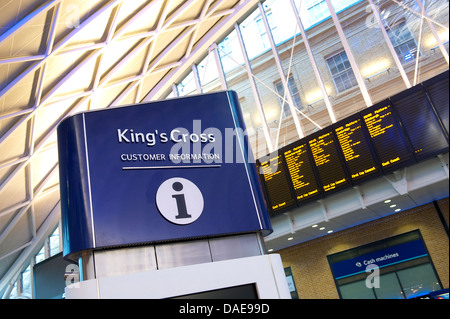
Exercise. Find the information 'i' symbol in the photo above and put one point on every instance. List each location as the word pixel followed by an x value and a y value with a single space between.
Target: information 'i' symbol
pixel 179 201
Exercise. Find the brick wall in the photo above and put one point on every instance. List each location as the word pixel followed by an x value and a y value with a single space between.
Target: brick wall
pixel 308 261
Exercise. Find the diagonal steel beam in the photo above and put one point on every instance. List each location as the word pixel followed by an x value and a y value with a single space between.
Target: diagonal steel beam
pixel 313 62
pixel 42 8
pixel 200 19
pixel 45 99
pixel 58 47
pixel 54 89
pixel 203 44
pixel 284 77
pixel 47 226
pixel 419 14
pixel 348 51
pixel 29 204
pixel 163 25
pixel 433 30
pixel 154 65
pixel 94 54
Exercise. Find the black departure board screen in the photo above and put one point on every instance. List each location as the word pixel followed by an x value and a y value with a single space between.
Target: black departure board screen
pixel 301 171
pixel 356 148
pixel 409 127
pixel 276 183
pixel 389 142
pixel 437 89
pixel 420 122
pixel 328 163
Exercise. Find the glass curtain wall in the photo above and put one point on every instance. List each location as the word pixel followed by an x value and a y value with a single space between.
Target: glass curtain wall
pixel 208 74
pixel 414 28
pixel 437 12
pixel 291 84
pixel 258 48
pixel 309 75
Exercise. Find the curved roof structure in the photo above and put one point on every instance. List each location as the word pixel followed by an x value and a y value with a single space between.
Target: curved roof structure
pixel 59 57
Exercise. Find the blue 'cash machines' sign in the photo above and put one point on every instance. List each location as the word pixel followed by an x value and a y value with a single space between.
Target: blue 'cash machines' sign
pixel 380 258
pixel 160 171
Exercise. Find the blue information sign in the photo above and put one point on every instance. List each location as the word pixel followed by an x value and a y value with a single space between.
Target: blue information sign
pixel 161 171
pixel 380 258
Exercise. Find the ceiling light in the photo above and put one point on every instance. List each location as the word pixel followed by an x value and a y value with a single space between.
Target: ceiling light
pixel 398 209
pixel 314 226
pixel 314 96
pixel 270 250
pixel 392 206
pixel 321 228
pixel 378 67
pixel 330 231
pixel 387 201
pixel 290 238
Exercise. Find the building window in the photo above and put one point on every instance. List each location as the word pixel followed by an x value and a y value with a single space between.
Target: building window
pixel 225 46
pixel 13 294
pixel 26 283
pixel 230 58
pixel 40 256
pixel 262 30
pixel 341 71
pixel 294 93
pixel 187 85
pixel 54 242
pixel 403 41
pixel 317 10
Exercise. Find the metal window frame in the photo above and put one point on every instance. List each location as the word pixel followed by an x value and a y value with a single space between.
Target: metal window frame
pixel 278 83
pixel 254 88
pixel 388 42
pixel 283 77
pixel 334 75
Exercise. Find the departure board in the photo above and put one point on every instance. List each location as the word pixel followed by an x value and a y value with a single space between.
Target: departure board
pixel 356 149
pixel 328 163
pixel 420 122
pixel 385 133
pixel 301 171
pixel 408 127
pixel 437 89
pixel 276 183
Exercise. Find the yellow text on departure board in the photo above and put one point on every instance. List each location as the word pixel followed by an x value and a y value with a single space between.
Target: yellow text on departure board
pixel 317 144
pixel 270 169
pixel 344 135
pixel 294 165
pixel 374 121
pixel 333 185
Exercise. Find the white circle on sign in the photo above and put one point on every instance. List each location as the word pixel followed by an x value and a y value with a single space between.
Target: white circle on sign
pixel 179 201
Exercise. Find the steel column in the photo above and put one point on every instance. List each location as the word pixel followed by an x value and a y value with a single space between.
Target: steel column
pixel 313 63
pixel 255 92
pixel 348 51
pixel 284 80
pixel 389 44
